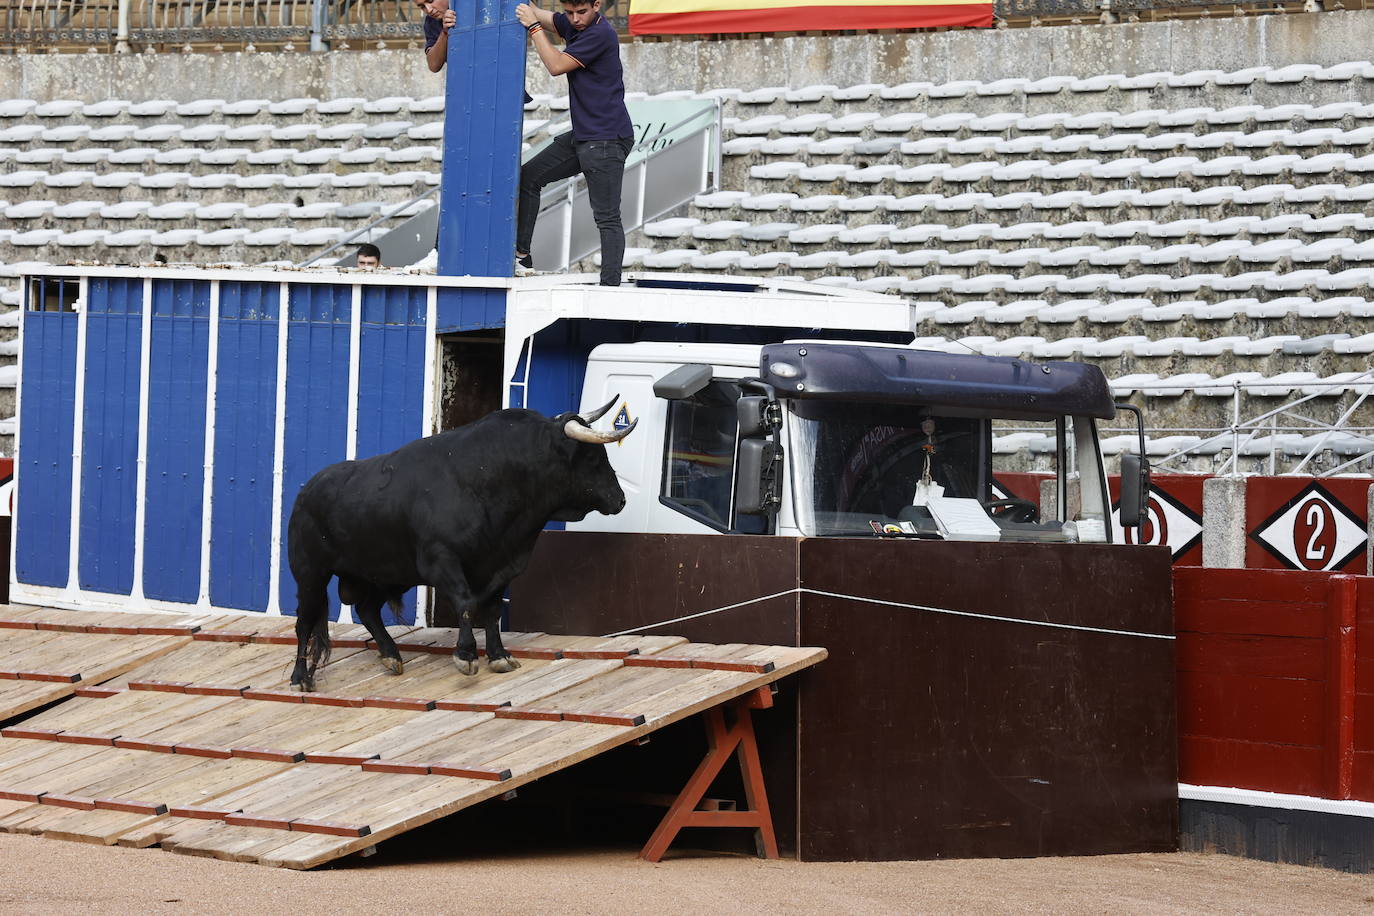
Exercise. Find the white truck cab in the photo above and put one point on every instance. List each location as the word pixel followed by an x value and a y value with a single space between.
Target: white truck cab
pixel 847 439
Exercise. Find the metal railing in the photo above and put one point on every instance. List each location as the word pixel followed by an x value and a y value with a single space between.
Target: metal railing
pixel 120 24
pixel 1032 11
pixel 669 165
pixel 321 24
pixel 1241 436
pixel 1285 440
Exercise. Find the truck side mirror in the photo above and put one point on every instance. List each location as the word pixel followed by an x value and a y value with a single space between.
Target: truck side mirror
pixel 1135 490
pixel 756 478
pixel 759 417
pixel 682 382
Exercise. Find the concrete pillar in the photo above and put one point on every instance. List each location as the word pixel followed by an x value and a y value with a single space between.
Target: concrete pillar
pixel 1369 530
pixel 1223 522
pixel 122 28
pixel 319 17
pixel 1049 499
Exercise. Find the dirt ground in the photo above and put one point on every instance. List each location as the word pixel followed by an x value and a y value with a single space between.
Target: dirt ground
pixel 51 876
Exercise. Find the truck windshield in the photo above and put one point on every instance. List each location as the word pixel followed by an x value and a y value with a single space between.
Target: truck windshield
pixel 867 460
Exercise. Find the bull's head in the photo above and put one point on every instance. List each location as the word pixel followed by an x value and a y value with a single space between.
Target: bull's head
pixel 599 490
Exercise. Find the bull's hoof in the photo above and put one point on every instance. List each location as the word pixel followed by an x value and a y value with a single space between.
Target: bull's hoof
pixel 393 665
pixel 466 666
pixel 503 664
pixel 305 686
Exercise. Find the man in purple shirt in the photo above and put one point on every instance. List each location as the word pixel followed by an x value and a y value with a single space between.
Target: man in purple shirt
pixel 601 134
pixel 438 20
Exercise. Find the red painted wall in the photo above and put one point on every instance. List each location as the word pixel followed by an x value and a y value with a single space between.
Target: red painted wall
pixel 1276 681
pixel 1022 485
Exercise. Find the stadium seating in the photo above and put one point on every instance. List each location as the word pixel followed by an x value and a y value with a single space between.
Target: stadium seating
pixel 1188 232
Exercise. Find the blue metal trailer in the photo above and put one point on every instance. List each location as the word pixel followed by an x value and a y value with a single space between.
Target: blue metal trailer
pixel 168 415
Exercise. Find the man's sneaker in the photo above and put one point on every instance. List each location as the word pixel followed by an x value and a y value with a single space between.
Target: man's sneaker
pixel 524 267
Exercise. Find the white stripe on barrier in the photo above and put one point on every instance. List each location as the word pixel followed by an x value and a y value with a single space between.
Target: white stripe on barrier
pixel 718 610
pixel 1257 799
pixel 899 604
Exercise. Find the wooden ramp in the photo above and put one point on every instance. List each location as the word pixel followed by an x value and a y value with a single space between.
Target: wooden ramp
pixel 195 741
pixel 46 656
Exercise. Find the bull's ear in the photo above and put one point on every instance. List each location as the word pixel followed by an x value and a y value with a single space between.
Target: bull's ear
pixel 564 447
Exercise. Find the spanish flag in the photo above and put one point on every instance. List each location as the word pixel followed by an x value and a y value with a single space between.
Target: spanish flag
pixel 710 17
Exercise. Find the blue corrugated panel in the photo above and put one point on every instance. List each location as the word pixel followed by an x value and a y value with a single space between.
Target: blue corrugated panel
pixel 245 431
pixel 558 370
pixel 109 440
pixel 469 309
pixel 47 418
pixel 178 361
pixel 484 117
pixel 391 384
pixel 317 340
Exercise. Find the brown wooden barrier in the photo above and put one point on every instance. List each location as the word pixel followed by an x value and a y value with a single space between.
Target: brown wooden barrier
pixel 1276 681
pixel 979 699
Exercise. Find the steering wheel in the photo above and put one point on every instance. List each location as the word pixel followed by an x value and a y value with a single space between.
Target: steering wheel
pixel 1013 509
pixel 701 506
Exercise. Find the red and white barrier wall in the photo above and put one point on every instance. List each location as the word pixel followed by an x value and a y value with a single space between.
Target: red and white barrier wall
pixel 1297 523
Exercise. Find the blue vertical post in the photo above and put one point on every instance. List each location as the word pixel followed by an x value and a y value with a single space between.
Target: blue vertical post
pixel 47 418
pixel 316 433
pixel 245 427
pixel 179 348
pixel 109 448
pixel 483 119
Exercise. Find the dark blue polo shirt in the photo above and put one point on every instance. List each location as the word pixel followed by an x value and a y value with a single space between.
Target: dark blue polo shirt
pixel 596 90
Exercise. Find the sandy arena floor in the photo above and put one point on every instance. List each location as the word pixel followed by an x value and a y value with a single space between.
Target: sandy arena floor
pixel 49 876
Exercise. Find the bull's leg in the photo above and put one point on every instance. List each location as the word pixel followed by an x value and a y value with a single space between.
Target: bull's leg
pixel 465 652
pixel 440 568
pixel 301 678
pixel 369 612
pixel 311 571
pixel 498 658
pixel 312 633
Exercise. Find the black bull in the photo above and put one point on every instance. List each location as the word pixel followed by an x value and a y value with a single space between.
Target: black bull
pixel 459 511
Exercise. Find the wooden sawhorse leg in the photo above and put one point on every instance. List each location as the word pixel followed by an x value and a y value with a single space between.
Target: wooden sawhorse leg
pixel 724 741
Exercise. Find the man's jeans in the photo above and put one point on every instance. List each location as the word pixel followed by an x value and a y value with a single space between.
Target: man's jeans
pixel 603 163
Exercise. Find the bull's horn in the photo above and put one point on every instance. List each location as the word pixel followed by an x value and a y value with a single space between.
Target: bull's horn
pixel 601 411
pixel 574 429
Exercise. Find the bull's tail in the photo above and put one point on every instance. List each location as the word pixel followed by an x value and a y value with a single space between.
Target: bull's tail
pixel 398 609
pixel 317 648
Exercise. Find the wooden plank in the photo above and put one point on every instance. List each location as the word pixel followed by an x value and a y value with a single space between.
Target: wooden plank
pixel 1249 617
pixel 426 762
pixel 1250 765
pixel 195 785
pixel 98 658
pixel 1267 586
pixel 1246 708
pixel 1261 656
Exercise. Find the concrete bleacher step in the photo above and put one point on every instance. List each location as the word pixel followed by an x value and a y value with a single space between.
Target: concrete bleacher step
pixel 1206 213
